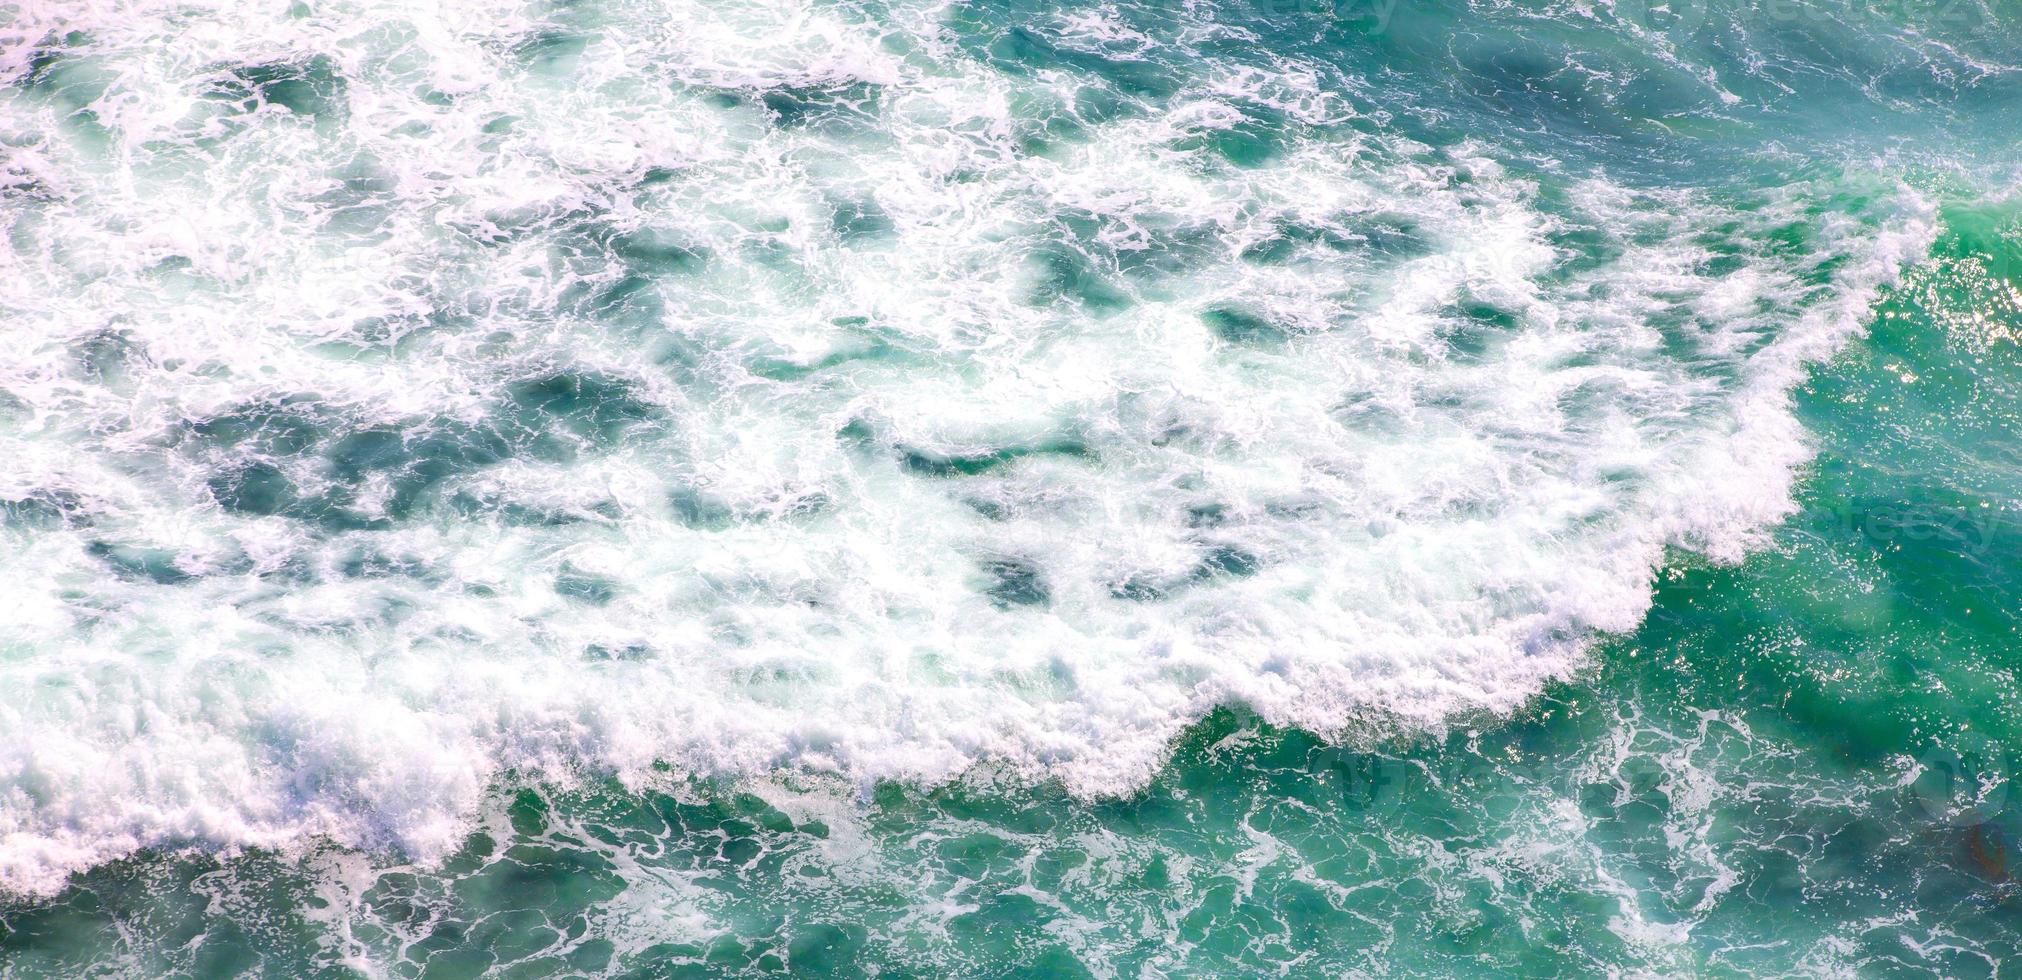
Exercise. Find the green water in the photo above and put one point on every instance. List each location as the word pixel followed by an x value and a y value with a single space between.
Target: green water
pixel 1800 762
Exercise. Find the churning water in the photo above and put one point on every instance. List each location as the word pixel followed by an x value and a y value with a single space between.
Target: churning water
pixel 655 487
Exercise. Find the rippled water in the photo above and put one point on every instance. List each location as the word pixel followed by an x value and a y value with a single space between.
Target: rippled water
pixel 978 489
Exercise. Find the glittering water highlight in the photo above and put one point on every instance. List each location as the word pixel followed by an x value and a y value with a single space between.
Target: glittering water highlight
pixel 1137 489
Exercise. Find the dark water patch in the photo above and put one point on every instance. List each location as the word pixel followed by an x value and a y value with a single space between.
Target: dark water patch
pixel 596 590
pixel 1020 50
pixel 1392 236
pixel 531 876
pixel 1045 128
pixel 628 653
pixel 1238 325
pixel 110 357
pixel 1140 588
pixel 861 220
pixel 1536 84
pixel 1226 561
pixel 552 418
pixel 996 507
pixel 861 434
pixel 1217 562
pixel 1275 250
pixel 771 250
pixel 415 461
pixel 1014 581
pixel 1159 248
pixel 979 462
pixel 134 562
pixel 871 437
pixel 258 489
pixel 356 453
pixel 45 510
pixel 62 72
pixel 656 176
pixel 699 510
pixel 1092 107
pixel 1580 249
pixel 1721 266
pixel 552 51
pixel 1379 236
pixel 1066 274
pixel 1471 329
pixel 370 562
pixel 1253 141
pixel 1169 253
pixel 313 86
pixel 412 461
pixel 654 252
pixel 631 300
pixel 594 408
pixel 281 428
pixel 621 274
pixel 43 69
pixel 795 106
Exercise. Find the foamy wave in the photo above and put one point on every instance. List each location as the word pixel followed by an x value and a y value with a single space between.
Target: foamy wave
pixel 399 397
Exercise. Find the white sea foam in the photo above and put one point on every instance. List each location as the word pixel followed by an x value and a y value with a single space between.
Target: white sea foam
pixel 1404 468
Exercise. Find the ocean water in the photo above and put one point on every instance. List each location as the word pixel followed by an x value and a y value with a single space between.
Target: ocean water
pixel 1256 487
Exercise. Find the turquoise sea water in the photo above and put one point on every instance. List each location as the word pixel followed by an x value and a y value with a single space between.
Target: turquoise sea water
pixel 1215 489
